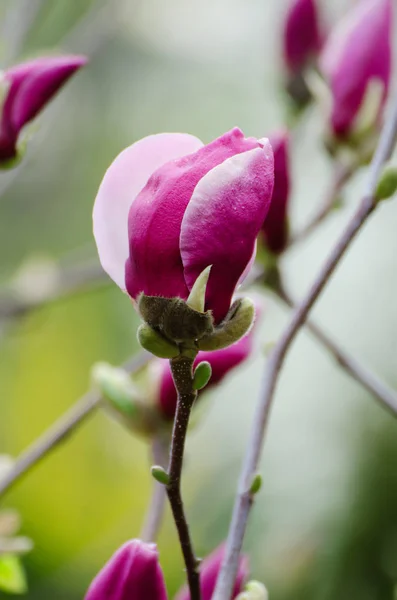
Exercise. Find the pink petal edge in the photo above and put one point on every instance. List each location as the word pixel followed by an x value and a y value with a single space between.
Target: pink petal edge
pixel 123 181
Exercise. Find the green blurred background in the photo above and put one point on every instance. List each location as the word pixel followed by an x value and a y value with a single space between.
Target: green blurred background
pixel 325 525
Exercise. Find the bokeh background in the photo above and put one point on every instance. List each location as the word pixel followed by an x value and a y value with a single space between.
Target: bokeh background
pixel 325 525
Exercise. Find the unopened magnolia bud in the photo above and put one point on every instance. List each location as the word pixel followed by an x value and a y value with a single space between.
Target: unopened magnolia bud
pixel 116 387
pixel 154 342
pixel 196 298
pixel 387 185
pixel 237 323
pixel 202 375
pixel 174 318
pixel 160 474
pixel 254 591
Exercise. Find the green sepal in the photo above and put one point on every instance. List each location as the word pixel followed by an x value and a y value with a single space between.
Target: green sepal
pixel 174 318
pixel 387 184
pixel 202 375
pixel 237 323
pixel 155 343
pixel 196 298
pixel 160 474
pixel 12 575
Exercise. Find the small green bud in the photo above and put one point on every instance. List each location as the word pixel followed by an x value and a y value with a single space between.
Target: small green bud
pixel 256 484
pixel 160 474
pixel 254 590
pixel 387 184
pixel 196 298
pixel 237 323
pixel 116 387
pixel 154 342
pixel 202 375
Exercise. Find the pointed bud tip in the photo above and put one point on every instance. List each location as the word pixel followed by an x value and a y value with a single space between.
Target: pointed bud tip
pixel 196 298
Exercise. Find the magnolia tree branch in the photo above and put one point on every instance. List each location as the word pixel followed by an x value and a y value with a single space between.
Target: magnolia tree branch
pixel 386 396
pixel 60 430
pixel 155 512
pixel 275 361
pixel 182 373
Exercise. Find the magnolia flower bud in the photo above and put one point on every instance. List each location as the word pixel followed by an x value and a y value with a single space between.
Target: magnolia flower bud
pixel 26 90
pixel 356 63
pixel 301 45
pixel 170 207
pixel 134 572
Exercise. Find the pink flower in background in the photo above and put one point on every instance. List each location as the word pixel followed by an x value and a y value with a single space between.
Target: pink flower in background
pixel 169 206
pixel 301 36
pixel 358 53
pixel 209 573
pixel 28 88
pixel 221 361
pixel 275 227
pixel 134 573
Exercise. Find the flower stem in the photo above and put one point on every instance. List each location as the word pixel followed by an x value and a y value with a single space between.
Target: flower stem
pixel 155 512
pixel 182 373
pixel 276 359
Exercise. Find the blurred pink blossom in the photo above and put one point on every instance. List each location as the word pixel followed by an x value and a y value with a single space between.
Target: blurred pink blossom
pixel 28 87
pixel 134 573
pixel 358 52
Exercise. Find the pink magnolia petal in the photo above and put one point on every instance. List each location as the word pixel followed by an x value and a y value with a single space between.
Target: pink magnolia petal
pixel 249 266
pixel 358 50
pixel 275 226
pixel 132 573
pixel 123 181
pixel 154 222
pixel 209 572
pixel 221 223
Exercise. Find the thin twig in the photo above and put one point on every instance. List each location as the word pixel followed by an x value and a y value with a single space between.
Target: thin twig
pixel 342 173
pixel 386 396
pixel 155 512
pixel 275 361
pixel 60 430
pixel 181 368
